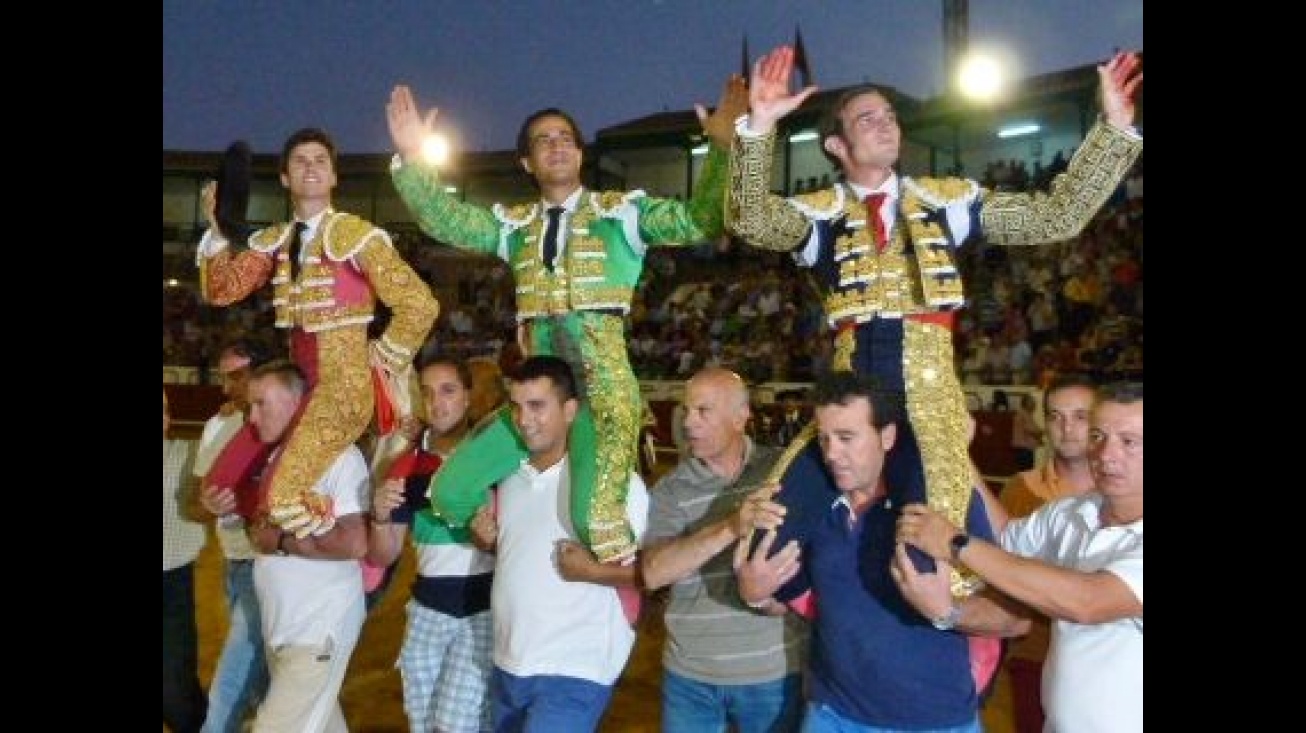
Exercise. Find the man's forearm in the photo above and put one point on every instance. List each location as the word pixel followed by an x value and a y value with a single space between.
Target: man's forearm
pixel 614 576
pixel 673 560
pixel 991 614
pixel 347 540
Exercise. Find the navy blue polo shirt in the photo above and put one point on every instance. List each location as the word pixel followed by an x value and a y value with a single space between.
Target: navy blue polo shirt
pixel 873 658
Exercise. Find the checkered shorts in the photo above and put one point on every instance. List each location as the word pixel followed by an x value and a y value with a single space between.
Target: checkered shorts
pixel 445 663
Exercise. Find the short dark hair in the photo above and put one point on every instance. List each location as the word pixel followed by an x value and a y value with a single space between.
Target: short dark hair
pixel 545 366
pixel 303 136
pixel 842 387
pixel 285 371
pixel 524 133
pixel 1121 393
pixel 458 365
pixel 1069 380
pixel 831 121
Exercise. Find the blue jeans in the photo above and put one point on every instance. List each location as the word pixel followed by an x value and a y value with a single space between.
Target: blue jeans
pixel 547 703
pixel 699 707
pixel 822 718
pixel 241 678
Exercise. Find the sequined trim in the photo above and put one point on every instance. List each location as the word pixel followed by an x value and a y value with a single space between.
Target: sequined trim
pixel 939 418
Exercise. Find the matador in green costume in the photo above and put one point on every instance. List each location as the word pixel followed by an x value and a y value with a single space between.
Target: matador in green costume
pixel 576 257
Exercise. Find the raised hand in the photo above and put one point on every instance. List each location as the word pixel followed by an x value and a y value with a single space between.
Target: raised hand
pixel 769 97
pixel 1120 77
pixel 209 203
pixel 407 127
pixel 389 498
pixel 719 126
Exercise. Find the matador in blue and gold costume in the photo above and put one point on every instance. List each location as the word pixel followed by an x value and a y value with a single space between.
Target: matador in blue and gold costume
pixel 576 257
pixel 882 246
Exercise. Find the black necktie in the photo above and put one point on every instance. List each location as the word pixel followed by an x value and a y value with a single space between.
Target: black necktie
pixel 296 244
pixel 551 236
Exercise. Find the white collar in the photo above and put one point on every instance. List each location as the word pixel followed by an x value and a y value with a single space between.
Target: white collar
pixel 889 188
pixel 569 204
pixel 311 223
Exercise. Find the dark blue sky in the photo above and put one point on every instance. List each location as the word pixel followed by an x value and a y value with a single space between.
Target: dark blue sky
pixel 258 69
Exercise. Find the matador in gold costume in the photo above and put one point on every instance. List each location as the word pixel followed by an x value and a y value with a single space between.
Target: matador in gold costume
pixel 882 245
pixel 576 257
pixel 327 270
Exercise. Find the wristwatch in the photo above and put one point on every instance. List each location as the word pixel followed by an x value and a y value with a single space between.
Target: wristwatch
pixel 957 544
pixel 948 621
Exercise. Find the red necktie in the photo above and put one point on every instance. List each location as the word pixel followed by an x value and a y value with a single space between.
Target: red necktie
pixel 873 202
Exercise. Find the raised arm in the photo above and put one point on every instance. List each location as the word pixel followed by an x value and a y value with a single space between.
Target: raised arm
pixel 1120 77
pixel 769 98
pixel 440 214
pixel 759 217
pixel 1097 168
pixel 671 222
pixel 226 278
pixel 385 538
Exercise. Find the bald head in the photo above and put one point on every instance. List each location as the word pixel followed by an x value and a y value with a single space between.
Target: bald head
pixel 729 385
pixel 716 415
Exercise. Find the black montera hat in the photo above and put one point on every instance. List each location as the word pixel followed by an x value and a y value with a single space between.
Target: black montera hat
pixel 233 192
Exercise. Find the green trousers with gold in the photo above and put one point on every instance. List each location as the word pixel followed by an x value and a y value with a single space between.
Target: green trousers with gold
pixel 602 445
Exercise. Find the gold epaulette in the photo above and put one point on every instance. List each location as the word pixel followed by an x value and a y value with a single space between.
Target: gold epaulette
pixel 944 191
pixel 607 204
pixel 608 200
pixel 821 203
pixel 516 212
pixel 346 233
pixel 267 238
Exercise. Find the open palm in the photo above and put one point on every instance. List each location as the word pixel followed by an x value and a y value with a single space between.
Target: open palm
pixel 407 127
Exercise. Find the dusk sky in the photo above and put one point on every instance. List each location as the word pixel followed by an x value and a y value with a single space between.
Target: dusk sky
pixel 259 69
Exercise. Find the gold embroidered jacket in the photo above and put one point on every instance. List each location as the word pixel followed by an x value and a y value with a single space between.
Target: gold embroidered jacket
pixel 916 272
pixel 349 264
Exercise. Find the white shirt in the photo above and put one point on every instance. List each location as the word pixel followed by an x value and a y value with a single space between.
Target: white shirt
pixel 808 254
pixel 182 538
pixel 305 601
pixel 544 625
pixel 1093 676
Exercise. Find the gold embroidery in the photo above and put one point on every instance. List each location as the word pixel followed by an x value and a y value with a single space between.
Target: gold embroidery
pixel 613 395
pixel 544 293
pixel 1093 174
pixel 337 411
pixel 939 418
pixel 752 211
pixel 845 343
